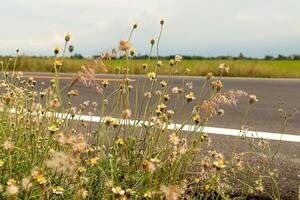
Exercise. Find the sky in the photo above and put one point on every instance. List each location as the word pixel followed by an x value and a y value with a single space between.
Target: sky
pixel 192 27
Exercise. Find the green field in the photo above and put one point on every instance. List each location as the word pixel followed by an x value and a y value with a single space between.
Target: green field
pixel 239 68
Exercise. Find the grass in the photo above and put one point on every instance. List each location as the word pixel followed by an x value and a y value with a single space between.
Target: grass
pixel 239 68
pixel 48 156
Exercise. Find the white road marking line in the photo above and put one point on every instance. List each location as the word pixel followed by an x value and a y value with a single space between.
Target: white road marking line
pixel 188 128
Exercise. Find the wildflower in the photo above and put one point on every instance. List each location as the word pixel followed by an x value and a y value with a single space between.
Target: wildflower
pixel 190 96
pixel 219 164
pixel 145 66
pixel 41 180
pixel 166 97
pixel 224 68
pixel 56 49
pixel 12 190
pixel 55 103
pixel 11 181
pixel 8 145
pixel 209 75
pixel 217 85
pixel 124 45
pixel 252 99
pixel 120 141
pixel 171 62
pixel 53 128
pixel 81 169
pixel 115 123
pixel 74 93
pixel 161 107
pixel 105 83
pixel 159 63
pixel 118 191
pixel 170 113
pixel 147 95
pixel 175 90
pixel 94 161
pixel 126 114
pixel 129 191
pixel 67 37
pixel 152 41
pixel 148 194
pixel 221 112
pixel 197 118
pixel 174 139
pixel 177 59
pixel 172 192
pixel 1 163
pixel 57 64
pixel 135 25
pixel 163 83
pixel 151 75
pixel 58 190
pixel 132 51
pixel 109 120
pixel 83 193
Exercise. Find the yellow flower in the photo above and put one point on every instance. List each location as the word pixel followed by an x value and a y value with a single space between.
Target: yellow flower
pixel 118 190
pixel 57 63
pixel 219 164
pixel 190 96
pixel 41 179
pixel 1 163
pixel 105 83
pixel 151 75
pixel 197 118
pixel 11 181
pixel 93 161
pixel 120 141
pixel 53 128
pixel 58 190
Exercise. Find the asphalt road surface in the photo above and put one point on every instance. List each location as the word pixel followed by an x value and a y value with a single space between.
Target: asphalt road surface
pixel 263 116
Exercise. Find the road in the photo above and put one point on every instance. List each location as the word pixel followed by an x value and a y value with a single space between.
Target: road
pixel 263 115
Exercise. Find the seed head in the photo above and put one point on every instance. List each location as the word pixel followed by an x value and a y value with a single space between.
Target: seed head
pixel 67 37
pixel 56 49
pixel 152 41
pixel 162 21
pixel 135 25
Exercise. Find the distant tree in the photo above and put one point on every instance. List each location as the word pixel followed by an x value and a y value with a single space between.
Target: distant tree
pixel 282 57
pixel 77 56
pixel 268 57
pixel 241 56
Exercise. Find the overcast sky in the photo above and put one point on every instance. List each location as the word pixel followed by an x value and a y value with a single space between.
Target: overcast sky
pixel 194 27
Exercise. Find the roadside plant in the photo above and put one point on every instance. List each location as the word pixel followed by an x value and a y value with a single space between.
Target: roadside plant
pixel 142 146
